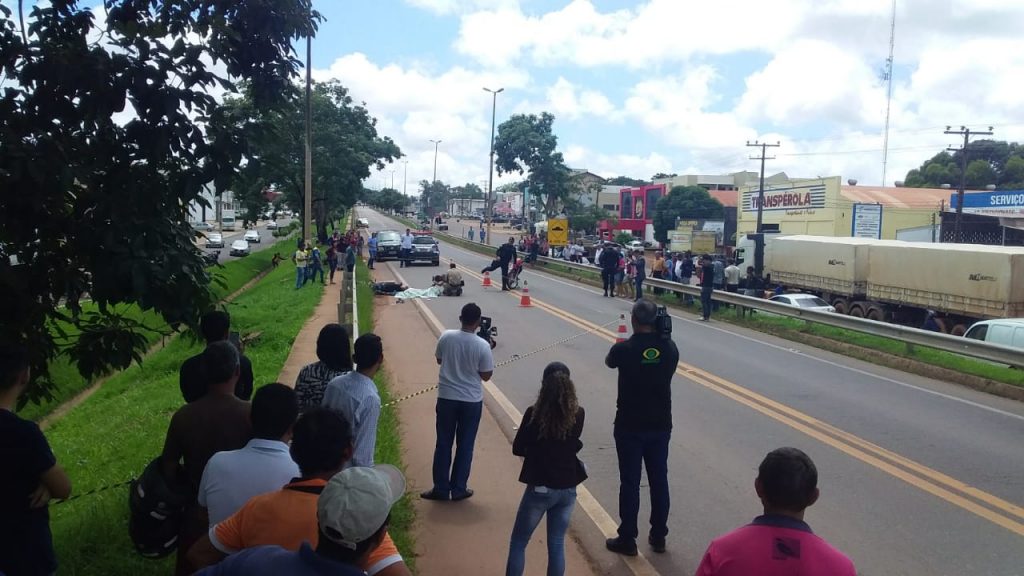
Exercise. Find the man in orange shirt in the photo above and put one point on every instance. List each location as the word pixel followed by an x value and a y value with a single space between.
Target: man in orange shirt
pixel 321 445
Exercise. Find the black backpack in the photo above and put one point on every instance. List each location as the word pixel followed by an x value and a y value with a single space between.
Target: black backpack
pixel 156 512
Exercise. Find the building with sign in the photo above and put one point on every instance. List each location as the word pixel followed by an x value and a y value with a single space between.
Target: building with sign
pixel 826 207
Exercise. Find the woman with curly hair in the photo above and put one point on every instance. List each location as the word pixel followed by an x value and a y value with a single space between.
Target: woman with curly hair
pixel 548 440
pixel 335 354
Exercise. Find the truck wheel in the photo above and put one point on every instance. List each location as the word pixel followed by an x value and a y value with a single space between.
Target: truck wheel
pixel 959 330
pixel 857 311
pixel 877 314
pixel 841 306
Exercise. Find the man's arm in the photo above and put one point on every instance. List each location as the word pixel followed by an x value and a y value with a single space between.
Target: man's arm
pixel 365 440
pixel 486 376
pixel 612 359
pixel 203 553
pixel 172 453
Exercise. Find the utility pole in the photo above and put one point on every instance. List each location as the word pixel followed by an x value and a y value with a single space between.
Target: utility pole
pixel 888 100
pixel 490 176
pixel 426 196
pixel 405 177
pixel 307 208
pixel 966 133
pixel 760 192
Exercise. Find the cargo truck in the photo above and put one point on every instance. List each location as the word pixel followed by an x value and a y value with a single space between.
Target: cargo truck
pixel 227 220
pixel 902 282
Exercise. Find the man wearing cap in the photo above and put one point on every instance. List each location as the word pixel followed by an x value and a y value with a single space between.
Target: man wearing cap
pixel 352 518
pixel 321 446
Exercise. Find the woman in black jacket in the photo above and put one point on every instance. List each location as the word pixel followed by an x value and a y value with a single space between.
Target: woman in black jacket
pixel 548 440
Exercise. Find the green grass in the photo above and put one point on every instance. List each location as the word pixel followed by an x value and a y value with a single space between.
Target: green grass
pixel 111 436
pixel 228 278
pixel 389 438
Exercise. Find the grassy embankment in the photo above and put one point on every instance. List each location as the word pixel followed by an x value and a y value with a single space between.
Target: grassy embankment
pixel 838 340
pixel 111 436
pixel 228 278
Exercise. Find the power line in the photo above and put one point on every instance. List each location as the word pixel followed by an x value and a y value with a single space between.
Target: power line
pixel 966 133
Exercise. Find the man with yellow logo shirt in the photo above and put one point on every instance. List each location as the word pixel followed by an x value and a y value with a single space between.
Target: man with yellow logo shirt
pixel 643 425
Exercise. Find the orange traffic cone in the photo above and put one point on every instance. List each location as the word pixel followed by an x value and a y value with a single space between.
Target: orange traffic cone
pixel 487 280
pixel 621 337
pixel 524 301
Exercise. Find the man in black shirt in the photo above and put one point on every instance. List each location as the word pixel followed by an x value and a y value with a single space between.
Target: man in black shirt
pixel 506 254
pixel 192 377
pixel 643 425
pixel 609 263
pixel 31 477
pixel 707 286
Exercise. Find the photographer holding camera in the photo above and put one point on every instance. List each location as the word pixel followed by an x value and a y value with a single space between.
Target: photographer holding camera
pixel 465 360
pixel 643 422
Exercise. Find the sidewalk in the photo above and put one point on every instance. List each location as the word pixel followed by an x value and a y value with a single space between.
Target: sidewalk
pixel 472 536
pixel 304 347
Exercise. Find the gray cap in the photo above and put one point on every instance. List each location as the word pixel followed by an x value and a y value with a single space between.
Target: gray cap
pixel 356 503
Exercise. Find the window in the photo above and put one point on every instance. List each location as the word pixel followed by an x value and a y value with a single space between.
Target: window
pixel 977 332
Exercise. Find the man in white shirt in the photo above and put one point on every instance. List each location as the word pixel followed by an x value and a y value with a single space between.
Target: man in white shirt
pixel 406 248
pixel 355 396
pixel 465 359
pixel 264 465
pixel 732 277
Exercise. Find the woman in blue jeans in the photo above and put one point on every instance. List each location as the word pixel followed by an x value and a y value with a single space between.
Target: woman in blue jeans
pixel 548 439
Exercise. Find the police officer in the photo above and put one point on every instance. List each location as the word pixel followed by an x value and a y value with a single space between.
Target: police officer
pixel 643 425
pixel 506 254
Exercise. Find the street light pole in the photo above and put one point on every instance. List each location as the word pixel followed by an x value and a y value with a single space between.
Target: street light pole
pixel 426 197
pixel 392 179
pixel 307 208
pixel 405 177
pixel 490 174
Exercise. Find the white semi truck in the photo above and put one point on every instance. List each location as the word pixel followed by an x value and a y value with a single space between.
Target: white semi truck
pixel 895 281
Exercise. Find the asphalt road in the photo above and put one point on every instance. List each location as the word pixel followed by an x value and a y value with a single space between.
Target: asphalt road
pixel 917 476
pixel 266 239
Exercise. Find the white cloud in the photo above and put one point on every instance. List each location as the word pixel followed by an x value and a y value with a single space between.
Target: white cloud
pixel 461 6
pixel 611 165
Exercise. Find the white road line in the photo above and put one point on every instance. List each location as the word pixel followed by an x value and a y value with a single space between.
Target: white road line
pixel 812 357
pixel 638 564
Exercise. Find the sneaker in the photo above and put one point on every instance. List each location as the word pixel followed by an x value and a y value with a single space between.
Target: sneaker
pixel 434 494
pixel 620 545
pixel 657 544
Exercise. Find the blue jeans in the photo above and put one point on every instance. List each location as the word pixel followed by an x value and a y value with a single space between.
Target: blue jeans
pixel 558 505
pixel 637 450
pixel 300 277
pixel 456 422
pixel 706 302
pixel 639 287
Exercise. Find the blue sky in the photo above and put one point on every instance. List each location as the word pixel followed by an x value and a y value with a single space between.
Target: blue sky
pixel 675 86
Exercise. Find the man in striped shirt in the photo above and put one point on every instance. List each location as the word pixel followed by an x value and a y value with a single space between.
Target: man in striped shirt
pixel 355 396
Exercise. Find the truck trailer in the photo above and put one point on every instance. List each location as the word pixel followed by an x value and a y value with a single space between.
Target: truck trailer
pixel 903 282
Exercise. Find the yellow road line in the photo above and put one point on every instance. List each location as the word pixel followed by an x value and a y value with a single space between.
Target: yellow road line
pixel 916 474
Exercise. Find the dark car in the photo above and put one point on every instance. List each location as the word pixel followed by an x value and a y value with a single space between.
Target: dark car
pixel 389 245
pixel 425 249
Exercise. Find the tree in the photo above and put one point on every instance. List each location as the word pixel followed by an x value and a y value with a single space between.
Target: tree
pixel 105 147
pixel 469 190
pixel 989 162
pixel 435 196
pixel 684 202
pixel 345 147
pixel 387 199
pixel 585 219
pixel 663 176
pixel 526 143
pixel 626 181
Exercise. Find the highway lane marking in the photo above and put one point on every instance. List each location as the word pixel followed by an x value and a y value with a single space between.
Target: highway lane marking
pixel 860 371
pixel 604 522
pixel 927 479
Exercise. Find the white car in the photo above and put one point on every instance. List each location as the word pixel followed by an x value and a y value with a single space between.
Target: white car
pixel 214 240
pixel 202 226
pixel 635 245
pixel 800 300
pixel 272 225
pixel 239 248
pixel 362 223
pixel 252 236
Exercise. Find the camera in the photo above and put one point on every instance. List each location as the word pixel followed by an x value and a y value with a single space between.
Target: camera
pixel 488 331
pixel 663 323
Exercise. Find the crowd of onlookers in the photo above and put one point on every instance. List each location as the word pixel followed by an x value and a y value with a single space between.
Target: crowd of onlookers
pixel 342 250
pixel 287 483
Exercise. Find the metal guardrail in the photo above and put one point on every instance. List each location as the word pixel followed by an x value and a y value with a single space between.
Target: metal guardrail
pixel 945 342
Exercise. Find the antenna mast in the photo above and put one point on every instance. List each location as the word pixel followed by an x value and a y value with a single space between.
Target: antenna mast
pixel 888 101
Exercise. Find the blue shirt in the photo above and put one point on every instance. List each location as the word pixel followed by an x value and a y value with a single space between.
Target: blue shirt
pixel 232 477
pixel 372 245
pixel 355 396
pixel 275 561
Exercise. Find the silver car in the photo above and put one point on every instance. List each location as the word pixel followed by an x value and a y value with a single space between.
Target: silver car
pixel 214 240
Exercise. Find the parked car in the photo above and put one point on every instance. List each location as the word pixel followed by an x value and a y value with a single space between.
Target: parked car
pixel 425 249
pixel 1004 331
pixel 272 225
pixel 202 226
pixel 636 245
pixel 362 223
pixel 214 240
pixel 389 245
pixel 800 300
pixel 239 248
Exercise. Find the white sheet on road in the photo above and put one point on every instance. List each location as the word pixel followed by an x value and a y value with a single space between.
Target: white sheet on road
pixel 432 292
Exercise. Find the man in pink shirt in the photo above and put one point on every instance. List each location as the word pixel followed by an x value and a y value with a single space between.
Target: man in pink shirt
pixel 779 542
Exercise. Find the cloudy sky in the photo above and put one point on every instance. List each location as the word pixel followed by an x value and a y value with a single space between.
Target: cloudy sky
pixel 678 85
